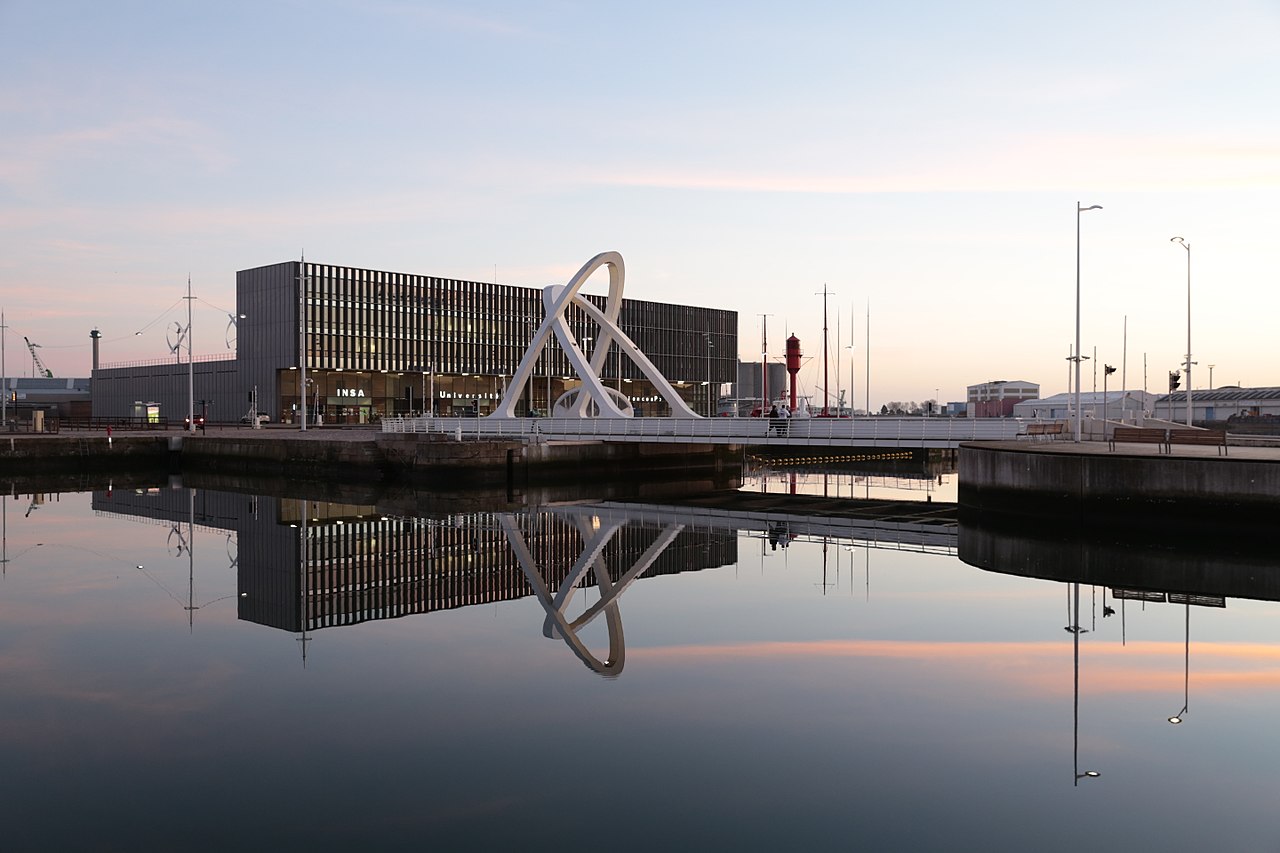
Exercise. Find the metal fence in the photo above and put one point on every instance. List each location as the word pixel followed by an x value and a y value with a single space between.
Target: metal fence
pixel 799 432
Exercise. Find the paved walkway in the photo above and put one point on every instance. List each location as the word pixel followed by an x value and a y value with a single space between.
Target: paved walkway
pixel 1102 448
pixel 280 433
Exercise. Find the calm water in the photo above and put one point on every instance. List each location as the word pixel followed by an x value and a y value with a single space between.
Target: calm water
pixel 209 671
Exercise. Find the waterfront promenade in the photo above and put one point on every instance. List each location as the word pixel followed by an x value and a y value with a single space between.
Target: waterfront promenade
pixel 1000 475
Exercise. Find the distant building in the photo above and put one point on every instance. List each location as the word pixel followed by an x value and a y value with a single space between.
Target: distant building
pixel 1219 404
pixel 62 398
pixel 748 385
pixel 997 398
pixel 1114 406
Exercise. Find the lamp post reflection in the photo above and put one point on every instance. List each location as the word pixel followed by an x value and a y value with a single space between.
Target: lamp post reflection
pixel 1076 631
pixel 185 544
pixel 1186 669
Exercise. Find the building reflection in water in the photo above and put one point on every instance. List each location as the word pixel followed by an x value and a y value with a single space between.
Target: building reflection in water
pixel 304 566
pixel 307 566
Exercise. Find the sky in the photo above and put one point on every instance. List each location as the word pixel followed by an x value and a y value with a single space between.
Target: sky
pixel 921 161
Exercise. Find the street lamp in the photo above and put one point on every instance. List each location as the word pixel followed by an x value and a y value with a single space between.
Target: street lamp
pixel 303 281
pixel 711 412
pixel 1189 362
pixel 1076 355
pixel 4 379
pixel 183 335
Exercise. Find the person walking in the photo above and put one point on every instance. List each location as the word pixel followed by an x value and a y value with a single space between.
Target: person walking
pixel 784 415
pixel 775 422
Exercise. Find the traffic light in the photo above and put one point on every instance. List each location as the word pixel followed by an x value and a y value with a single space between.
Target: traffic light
pixel 1175 379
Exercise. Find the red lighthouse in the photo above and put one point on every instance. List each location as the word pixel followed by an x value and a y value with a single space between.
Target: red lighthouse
pixel 793 366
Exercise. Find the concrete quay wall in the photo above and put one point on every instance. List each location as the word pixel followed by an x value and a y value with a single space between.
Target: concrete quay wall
pixel 519 464
pixel 1090 482
pixel 370 457
pixel 88 453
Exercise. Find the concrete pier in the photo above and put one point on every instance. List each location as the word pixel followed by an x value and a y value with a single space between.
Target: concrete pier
pixel 1133 485
pixel 353 455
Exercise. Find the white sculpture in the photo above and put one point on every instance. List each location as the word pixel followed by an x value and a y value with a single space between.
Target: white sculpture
pixel 592 399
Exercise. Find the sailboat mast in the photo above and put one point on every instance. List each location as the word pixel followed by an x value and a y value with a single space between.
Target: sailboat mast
pixel 826 386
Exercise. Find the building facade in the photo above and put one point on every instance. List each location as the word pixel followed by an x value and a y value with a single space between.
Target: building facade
pixel 997 398
pixel 24 397
pixel 1229 403
pixel 1128 406
pixel 377 344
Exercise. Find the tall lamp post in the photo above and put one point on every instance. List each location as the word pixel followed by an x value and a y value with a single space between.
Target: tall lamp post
pixel 303 281
pixel 191 370
pixel 4 380
pixel 1076 355
pixel 1188 362
pixel 711 412
pixel 183 334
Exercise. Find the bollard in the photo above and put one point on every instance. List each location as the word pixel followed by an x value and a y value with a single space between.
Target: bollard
pixel 108 436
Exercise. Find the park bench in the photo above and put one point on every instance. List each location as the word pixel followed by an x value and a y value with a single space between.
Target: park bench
pixel 1209 437
pixel 1139 435
pixel 1046 431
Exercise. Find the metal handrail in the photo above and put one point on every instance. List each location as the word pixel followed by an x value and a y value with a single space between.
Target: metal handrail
pixel 877 431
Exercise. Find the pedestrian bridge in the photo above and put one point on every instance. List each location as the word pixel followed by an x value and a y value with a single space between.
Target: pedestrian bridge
pixel 875 432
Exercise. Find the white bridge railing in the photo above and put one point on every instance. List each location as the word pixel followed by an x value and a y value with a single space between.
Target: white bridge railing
pixel 795 432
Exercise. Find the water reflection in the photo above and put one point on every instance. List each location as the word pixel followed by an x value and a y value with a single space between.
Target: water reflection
pixel 5 559
pixel 1207 570
pixel 595 538
pixel 303 565
pixel 742 666
pixel 1201 570
pixel 901 475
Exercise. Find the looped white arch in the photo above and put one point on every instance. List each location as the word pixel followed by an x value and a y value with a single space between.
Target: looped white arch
pixel 594 539
pixel 593 398
pixel 567 404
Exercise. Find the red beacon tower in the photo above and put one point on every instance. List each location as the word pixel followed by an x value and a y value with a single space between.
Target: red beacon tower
pixel 793 366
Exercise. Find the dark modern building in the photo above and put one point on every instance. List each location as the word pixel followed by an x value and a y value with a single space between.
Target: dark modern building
pixel 379 344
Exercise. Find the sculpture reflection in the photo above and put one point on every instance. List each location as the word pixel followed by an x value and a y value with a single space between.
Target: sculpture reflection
pixel 595 537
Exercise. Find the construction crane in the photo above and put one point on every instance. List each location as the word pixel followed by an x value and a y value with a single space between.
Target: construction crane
pixel 36 362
